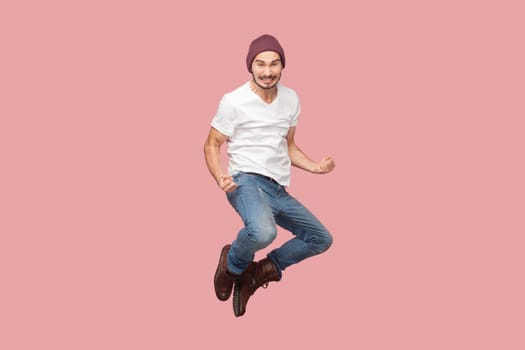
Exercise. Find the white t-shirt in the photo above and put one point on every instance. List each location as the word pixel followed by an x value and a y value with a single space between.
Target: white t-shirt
pixel 257 131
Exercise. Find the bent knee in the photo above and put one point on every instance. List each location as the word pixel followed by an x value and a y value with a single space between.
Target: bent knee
pixel 263 235
pixel 323 242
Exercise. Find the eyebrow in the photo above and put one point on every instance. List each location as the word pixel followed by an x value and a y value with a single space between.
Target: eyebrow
pixel 262 61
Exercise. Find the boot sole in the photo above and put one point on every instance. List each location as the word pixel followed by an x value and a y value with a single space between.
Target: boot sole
pixel 216 276
pixel 237 287
pixel 237 302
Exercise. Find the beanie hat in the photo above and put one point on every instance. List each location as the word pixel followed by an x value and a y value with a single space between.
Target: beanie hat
pixel 263 43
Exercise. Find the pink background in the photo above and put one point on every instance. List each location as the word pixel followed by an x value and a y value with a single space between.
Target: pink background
pixel 111 225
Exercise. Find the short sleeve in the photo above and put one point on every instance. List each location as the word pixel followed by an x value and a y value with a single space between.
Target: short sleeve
pixel 224 120
pixel 295 116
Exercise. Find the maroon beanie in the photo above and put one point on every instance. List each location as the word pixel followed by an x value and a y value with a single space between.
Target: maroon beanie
pixel 263 43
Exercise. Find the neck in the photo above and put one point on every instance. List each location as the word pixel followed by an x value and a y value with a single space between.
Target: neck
pixel 267 95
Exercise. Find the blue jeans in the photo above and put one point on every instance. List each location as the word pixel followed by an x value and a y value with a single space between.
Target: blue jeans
pixel 262 204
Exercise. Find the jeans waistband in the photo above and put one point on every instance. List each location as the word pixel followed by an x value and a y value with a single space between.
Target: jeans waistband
pixel 264 177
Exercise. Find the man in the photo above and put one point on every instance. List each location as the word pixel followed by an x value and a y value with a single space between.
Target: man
pixel 258 120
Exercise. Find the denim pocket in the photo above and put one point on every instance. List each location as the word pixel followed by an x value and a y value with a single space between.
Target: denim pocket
pixel 236 177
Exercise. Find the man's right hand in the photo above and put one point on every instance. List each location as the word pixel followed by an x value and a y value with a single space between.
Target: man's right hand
pixel 226 183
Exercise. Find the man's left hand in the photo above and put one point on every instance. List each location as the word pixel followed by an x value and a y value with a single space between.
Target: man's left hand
pixel 326 165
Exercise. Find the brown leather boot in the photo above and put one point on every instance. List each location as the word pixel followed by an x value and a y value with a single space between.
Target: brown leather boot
pixel 223 279
pixel 256 275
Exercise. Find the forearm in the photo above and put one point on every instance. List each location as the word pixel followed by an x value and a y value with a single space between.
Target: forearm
pixel 299 159
pixel 213 161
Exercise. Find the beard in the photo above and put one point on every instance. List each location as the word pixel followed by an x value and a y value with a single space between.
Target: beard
pixel 277 79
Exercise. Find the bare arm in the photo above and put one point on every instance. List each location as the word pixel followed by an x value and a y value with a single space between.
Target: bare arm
pixel 301 160
pixel 212 154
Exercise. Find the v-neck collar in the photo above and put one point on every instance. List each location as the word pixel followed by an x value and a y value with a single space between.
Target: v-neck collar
pixel 260 98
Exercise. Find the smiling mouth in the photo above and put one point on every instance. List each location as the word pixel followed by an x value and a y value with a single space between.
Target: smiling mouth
pixel 267 79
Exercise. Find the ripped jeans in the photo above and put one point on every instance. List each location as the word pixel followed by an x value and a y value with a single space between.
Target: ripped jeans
pixel 262 204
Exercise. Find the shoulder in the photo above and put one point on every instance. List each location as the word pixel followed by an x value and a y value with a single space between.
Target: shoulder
pixel 232 101
pixel 238 95
pixel 288 93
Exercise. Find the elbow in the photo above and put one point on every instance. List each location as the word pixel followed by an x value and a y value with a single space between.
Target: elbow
pixel 209 147
pixel 206 148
